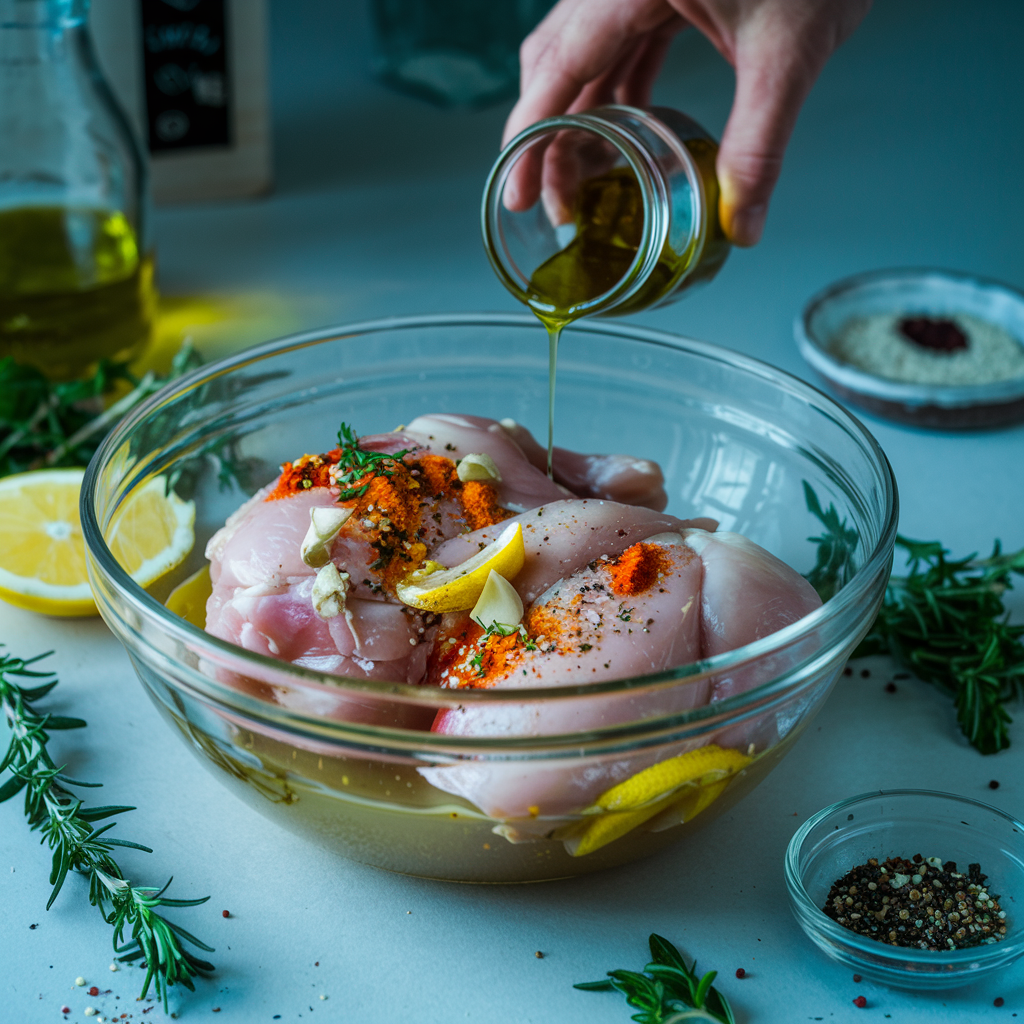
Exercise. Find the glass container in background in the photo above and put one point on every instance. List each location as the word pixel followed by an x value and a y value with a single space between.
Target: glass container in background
pixel 76 267
pixel 454 53
pixel 604 213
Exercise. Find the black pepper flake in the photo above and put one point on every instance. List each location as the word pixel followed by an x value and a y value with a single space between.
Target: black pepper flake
pixel 994 784
pixel 890 687
pixel 865 673
pixel 915 904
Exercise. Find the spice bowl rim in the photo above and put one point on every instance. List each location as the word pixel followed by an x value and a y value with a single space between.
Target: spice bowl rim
pixel 123 603
pixel 880 959
pixel 849 378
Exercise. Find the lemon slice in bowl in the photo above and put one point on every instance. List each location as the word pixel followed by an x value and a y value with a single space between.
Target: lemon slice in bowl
pixel 42 552
pixel 437 589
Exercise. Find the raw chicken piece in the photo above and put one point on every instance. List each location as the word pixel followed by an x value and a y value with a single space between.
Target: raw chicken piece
pixel 562 537
pixel 708 593
pixel 622 478
pixel 732 593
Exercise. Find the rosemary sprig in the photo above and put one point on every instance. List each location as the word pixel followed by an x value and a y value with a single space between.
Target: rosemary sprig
pixel 46 424
pixel 355 463
pixel 68 829
pixel 669 992
pixel 834 563
pixel 944 621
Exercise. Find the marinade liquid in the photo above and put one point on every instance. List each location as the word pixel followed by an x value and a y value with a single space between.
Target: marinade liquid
pixel 74 288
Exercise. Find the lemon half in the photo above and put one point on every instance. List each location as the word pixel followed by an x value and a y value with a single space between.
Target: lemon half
pixel 42 552
pixel 436 589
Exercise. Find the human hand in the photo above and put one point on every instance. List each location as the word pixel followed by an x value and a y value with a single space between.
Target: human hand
pixel 587 53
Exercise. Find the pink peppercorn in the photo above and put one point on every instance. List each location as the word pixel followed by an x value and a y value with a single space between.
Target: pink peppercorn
pixel 860 1001
pixel 225 913
pixel 94 991
pixel 740 973
pixel 65 1009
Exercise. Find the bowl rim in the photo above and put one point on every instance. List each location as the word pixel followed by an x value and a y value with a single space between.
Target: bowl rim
pixel 101 560
pixel 810 915
pixel 845 375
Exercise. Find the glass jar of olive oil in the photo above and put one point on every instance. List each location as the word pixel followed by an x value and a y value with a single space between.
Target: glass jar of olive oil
pixel 76 269
pixel 604 213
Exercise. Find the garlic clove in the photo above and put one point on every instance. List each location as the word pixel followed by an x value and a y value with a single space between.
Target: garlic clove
pixel 478 467
pixel 329 590
pixel 498 603
pixel 325 524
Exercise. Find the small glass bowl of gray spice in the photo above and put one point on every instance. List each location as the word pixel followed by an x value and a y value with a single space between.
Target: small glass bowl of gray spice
pixel 926 347
pixel 952 835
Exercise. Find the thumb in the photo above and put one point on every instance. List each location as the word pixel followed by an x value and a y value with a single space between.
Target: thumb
pixel 771 84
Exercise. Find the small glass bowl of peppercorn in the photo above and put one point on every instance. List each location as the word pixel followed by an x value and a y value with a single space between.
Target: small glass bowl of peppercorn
pixel 930 348
pixel 911 888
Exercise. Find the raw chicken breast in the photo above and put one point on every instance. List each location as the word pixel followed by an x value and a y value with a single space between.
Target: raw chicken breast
pixel 613 588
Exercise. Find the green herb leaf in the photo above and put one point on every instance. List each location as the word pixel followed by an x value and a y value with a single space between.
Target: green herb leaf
pixel 669 991
pixel 67 829
pixel 834 564
pixel 944 621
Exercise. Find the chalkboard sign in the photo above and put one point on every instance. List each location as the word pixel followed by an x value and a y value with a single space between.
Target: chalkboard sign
pixel 185 61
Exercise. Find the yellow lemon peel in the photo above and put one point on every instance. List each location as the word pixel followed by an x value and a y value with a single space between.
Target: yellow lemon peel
pixel 42 551
pixel 434 588
pixel 702 774
pixel 188 599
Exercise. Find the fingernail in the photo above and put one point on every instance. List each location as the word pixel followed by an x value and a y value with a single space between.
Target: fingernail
pixel 745 225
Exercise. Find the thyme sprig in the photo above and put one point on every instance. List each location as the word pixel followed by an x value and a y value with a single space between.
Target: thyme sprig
pixel 68 828
pixel 355 463
pixel 669 992
pixel 944 620
pixel 47 424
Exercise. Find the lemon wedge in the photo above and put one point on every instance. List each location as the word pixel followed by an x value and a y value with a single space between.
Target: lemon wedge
pixel 188 599
pixel 437 589
pixel 696 778
pixel 42 552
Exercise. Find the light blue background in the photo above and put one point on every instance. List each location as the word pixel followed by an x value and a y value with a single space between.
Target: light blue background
pixel 910 151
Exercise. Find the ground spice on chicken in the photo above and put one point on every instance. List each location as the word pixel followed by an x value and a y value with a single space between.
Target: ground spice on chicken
pixel 637 569
pixel 480 504
pixel 919 903
pixel 305 472
pixel 473 659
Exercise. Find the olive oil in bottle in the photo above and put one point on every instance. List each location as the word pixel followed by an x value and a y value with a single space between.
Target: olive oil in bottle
pixel 74 288
pixel 643 193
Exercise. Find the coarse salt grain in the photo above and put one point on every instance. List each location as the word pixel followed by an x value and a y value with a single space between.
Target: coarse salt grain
pixel 874 344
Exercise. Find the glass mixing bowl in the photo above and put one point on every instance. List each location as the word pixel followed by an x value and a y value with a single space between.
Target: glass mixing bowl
pixel 347 762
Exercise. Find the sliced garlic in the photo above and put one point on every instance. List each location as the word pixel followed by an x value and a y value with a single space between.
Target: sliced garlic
pixel 324 525
pixel 478 467
pixel 498 603
pixel 329 590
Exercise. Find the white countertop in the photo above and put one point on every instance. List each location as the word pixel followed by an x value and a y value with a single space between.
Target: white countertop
pixel 909 152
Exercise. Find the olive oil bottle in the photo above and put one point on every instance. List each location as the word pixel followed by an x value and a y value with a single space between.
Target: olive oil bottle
pixel 610 212
pixel 76 270
pixel 74 288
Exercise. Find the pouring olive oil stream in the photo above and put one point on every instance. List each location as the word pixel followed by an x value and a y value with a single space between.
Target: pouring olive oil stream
pixel 609 212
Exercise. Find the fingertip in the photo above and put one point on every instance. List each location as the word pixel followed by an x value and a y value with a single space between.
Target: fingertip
pixel 744 225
